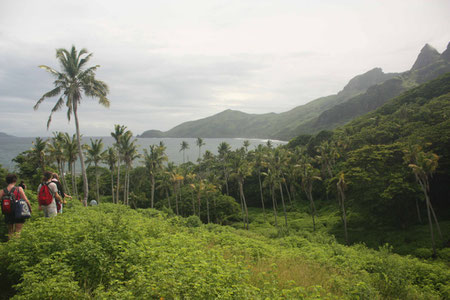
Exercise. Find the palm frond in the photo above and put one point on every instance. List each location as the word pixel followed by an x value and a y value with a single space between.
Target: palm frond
pixel 49 94
pixel 50 70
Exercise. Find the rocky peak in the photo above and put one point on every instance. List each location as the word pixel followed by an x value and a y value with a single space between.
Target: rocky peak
pixel 362 82
pixel 446 54
pixel 427 55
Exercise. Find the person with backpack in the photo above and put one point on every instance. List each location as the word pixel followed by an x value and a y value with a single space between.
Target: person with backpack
pixel 59 205
pixel 10 195
pixel 48 195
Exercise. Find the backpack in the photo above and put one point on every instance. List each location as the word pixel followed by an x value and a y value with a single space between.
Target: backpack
pixel 8 200
pixel 45 196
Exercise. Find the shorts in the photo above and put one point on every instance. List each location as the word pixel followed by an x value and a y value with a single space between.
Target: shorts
pixel 50 210
pixel 11 219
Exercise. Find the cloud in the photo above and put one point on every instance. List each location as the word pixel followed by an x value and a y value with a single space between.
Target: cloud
pixel 167 62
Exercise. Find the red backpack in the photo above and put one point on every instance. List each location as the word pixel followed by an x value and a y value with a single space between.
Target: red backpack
pixel 8 200
pixel 45 196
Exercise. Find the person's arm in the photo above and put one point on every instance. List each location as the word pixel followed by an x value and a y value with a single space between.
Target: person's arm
pixel 54 189
pixel 23 196
pixel 38 190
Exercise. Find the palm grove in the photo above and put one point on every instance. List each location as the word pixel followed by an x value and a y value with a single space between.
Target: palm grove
pixel 387 167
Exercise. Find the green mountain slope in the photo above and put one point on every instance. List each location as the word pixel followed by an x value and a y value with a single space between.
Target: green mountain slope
pixel 362 94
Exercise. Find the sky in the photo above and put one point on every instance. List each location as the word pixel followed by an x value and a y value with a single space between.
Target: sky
pixel 167 62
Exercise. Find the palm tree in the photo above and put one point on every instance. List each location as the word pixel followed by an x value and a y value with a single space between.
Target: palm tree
pixel 110 158
pixel 246 144
pixel 241 169
pixel 74 81
pixel 129 154
pixel 153 160
pixel 341 187
pixel 119 131
pixel 71 153
pixel 309 175
pixel 200 143
pixel 224 150
pixel 56 149
pixel 259 163
pixel 184 146
pixel 95 155
pixel 423 165
pixel 38 151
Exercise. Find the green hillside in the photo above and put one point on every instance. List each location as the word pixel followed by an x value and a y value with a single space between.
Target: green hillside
pixel 362 94
pixel 113 252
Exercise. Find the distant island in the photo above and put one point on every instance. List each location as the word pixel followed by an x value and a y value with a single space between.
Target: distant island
pixel 362 94
pixel 2 134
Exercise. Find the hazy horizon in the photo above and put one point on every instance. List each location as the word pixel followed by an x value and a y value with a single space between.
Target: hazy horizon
pixel 168 62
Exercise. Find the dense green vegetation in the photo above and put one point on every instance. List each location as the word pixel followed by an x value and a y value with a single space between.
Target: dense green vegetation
pixel 380 184
pixel 115 252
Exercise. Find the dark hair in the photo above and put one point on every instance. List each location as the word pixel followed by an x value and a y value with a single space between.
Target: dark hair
pixel 55 176
pixel 11 178
pixel 47 176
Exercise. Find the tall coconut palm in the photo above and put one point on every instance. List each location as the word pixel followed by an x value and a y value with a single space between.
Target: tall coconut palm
pixel 259 163
pixel 94 154
pixel 154 159
pixel 200 143
pixel 129 154
pixel 110 158
pixel 341 186
pixel 423 165
pixel 71 153
pixel 241 169
pixel 71 83
pixel 119 131
pixel 184 146
pixel 38 151
pixel 224 151
pixel 309 174
pixel 56 149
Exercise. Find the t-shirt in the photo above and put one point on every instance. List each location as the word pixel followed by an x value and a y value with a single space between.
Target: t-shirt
pixel 60 188
pixel 52 186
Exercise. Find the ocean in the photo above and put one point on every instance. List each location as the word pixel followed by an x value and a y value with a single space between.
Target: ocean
pixel 10 147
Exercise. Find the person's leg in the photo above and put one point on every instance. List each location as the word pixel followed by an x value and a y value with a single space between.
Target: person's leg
pixel 10 230
pixel 52 211
pixel 17 228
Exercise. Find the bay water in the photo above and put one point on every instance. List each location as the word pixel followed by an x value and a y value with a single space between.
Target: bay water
pixel 10 147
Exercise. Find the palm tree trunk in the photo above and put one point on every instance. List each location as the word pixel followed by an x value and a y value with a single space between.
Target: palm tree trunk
pixel 431 228
pixel 176 197
pixel 261 193
pixel 74 181
pixel 344 214
pixel 313 208
pixel 435 220
pixel 80 153
pixel 242 204
pixel 128 187
pixel 287 191
pixel 418 211
pixel 112 185
pixel 274 205
pixel 193 202
pixel 125 185
pixel 64 176
pixel 96 183
pixel 167 195
pixel 152 199
pixel 207 207
pixel 118 181
pixel 245 202
pixel 282 202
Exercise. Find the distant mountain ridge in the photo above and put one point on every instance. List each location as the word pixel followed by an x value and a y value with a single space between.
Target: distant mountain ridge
pixel 2 134
pixel 362 94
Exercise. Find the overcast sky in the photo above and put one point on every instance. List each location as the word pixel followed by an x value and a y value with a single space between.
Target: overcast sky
pixel 167 62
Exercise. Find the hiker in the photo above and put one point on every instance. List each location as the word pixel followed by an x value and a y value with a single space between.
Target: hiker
pixel 23 185
pixel 62 194
pixel 14 224
pixel 47 195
